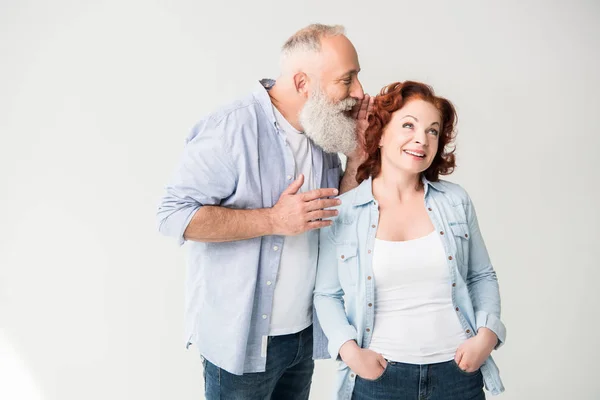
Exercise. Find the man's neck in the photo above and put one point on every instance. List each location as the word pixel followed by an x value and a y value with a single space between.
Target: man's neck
pixel 280 97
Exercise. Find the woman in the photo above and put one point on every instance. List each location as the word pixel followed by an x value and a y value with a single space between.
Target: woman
pixel 405 290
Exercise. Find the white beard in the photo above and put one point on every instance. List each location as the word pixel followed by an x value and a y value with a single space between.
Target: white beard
pixel 328 124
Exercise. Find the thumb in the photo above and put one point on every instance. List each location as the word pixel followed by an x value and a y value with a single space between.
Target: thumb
pixel 295 186
pixel 382 360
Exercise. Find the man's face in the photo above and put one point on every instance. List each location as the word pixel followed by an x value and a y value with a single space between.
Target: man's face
pixel 339 69
pixel 326 117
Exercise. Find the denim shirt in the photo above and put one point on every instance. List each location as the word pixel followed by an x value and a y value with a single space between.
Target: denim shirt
pixel 345 287
pixel 237 157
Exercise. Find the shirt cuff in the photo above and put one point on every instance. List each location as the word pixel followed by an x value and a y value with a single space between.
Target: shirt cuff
pixel 493 323
pixel 175 224
pixel 339 338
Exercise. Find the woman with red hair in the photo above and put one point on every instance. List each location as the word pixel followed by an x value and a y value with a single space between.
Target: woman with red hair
pixel 405 289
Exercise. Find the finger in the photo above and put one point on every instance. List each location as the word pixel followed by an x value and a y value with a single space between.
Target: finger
pixel 356 108
pixel 362 113
pixel 458 356
pixel 321 214
pixel 382 361
pixel 370 106
pixel 464 366
pixel 319 193
pixel 321 204
pixel 318 224
pixel 294 186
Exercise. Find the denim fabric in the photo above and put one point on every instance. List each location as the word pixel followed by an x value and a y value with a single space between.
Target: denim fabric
pixel 345 285
pixel 288 373
pixel 442 381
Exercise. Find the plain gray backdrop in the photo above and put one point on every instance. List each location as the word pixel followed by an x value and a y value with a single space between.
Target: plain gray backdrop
pixel 96 98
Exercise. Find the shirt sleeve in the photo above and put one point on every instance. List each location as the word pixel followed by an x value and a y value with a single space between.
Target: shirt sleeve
pixel 482 281
pixel 205 175
pixel 328 297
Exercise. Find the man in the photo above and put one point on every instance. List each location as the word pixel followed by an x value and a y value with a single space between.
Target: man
pixel 249 195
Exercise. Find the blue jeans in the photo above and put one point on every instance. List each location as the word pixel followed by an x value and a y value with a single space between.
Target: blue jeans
pixel 442 381
pixel 288 373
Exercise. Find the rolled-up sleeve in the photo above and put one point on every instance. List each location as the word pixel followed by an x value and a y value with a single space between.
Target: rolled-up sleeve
pixel 328 298
pixel 483 282
pixel 204 176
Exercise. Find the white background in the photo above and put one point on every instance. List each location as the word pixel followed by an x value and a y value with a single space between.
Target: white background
pixel 96 98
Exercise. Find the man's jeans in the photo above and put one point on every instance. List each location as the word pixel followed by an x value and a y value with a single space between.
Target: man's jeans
pixel 288 373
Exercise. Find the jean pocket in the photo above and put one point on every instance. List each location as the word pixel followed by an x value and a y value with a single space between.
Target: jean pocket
pixel 380 377
pixel 463 372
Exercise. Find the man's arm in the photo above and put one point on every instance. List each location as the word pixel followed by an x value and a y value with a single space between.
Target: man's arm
pixel 293 214
pixel 358 156
pixel 221 224
pixel 348 181
pixel 207 174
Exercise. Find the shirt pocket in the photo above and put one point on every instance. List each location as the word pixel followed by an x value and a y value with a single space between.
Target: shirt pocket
pixel 460 233
pixel 347 256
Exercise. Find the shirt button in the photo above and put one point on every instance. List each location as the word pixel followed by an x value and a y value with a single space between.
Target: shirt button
pixel 456 308
pixel 368 277
pixel 343 257
pixel 466 235
pixel 264 316
pixel 268 283
pixel 450 258
pixel 351 375
pixel 275 248
pixel 369 251
pixel 468 331
pixel 373 226
pixel 368 330
pixel 370 304
pixel 430 209
pixel 453 284
pixel 441 232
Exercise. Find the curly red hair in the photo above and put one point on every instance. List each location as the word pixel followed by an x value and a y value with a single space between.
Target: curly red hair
pixel 392 98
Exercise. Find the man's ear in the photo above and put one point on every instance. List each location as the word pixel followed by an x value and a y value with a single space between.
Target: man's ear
pixel 301 84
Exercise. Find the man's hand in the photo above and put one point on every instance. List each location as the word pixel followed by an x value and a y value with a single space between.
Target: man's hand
pixel 361 112
pixel 295 213
pixel 364 362
pixel 474 351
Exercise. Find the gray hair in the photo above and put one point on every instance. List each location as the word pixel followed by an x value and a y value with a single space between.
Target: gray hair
pixel 308 40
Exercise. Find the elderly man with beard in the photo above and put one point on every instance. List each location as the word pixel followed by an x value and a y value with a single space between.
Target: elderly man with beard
pixel 251 191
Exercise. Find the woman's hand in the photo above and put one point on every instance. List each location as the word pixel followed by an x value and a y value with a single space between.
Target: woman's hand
pixel 364 362
pixel 474 351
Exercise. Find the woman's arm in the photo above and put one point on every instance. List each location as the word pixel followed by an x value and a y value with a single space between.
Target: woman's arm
pixel 482 281
pixel 328 300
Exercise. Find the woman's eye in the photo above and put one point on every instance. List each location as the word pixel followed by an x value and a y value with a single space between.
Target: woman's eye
pixel 408 125
pixel 434 132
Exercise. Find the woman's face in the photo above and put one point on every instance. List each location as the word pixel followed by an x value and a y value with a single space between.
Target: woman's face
pixel 410 140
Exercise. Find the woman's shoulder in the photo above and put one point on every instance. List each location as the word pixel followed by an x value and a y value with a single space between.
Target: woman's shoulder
pixel 452 191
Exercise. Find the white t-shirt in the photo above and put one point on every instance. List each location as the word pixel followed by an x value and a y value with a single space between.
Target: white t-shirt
pixel 292 299
pixel 415 320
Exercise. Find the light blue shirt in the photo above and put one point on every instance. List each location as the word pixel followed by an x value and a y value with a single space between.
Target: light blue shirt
pixel 237 157
pixel 345 286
